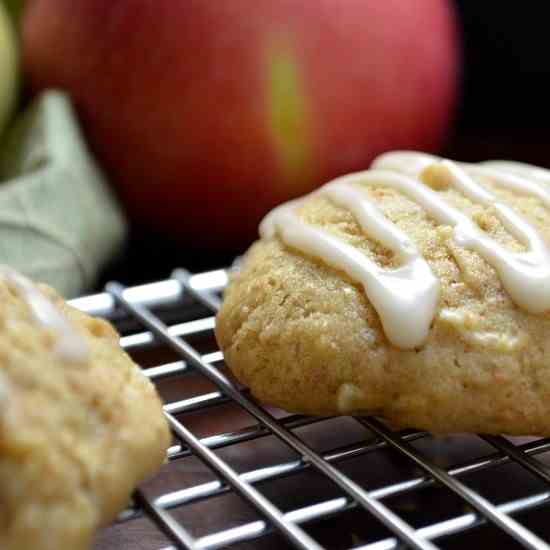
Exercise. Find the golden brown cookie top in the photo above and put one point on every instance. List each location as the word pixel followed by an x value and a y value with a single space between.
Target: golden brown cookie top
pixel 80 425
pixel 409 284
pixel 47 314
pixel 305 335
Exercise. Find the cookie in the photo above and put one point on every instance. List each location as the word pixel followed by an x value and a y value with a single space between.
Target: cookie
pixel 80 425
pixel 418 291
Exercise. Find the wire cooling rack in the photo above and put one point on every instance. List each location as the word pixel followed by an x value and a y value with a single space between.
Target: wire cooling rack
pixel 242 475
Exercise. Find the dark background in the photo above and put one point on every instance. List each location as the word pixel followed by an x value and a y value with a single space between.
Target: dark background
pixel 504 109
pixel 504 112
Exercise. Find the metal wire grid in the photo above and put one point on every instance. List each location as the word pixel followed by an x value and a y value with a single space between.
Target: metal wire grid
pixel 119 303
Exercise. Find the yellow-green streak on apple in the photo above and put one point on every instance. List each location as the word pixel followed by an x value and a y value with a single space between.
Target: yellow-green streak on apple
pixel 288 115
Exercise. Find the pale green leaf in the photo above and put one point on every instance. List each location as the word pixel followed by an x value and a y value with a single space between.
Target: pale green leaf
pixel 59 221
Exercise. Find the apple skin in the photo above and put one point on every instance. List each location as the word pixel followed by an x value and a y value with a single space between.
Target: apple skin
pixel 8 68
pixel 208 113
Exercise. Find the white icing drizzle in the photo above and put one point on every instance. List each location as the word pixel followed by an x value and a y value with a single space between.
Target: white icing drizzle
pixel 524 275
pixel 409 163
pixel 394 293
pixel 70 345
pixel 518 177
pixel 515 182
pixel 527 171
pixel 406 297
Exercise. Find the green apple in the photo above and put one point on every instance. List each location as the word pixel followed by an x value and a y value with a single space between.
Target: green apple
pixel 15 8
pixel 8 67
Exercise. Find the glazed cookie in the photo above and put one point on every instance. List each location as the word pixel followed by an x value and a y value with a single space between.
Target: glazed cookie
pixel 80 425
pixel 418 291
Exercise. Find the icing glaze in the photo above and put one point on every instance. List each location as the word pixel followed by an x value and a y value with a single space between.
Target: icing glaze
pixel 406 297
pixel 393 292
pixel 69 345
pixel 524 275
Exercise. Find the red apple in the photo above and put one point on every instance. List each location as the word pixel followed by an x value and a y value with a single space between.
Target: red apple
pixel 206 113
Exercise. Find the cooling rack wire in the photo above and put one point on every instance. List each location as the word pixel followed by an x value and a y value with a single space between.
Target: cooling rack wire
pixel 242 475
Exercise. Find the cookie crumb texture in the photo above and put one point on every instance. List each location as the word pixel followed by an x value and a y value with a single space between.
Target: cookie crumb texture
pixel 75 438
pixel 304 337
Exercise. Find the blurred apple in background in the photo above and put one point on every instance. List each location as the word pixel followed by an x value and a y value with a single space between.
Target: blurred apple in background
pixel 207 113
pixel 8 67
